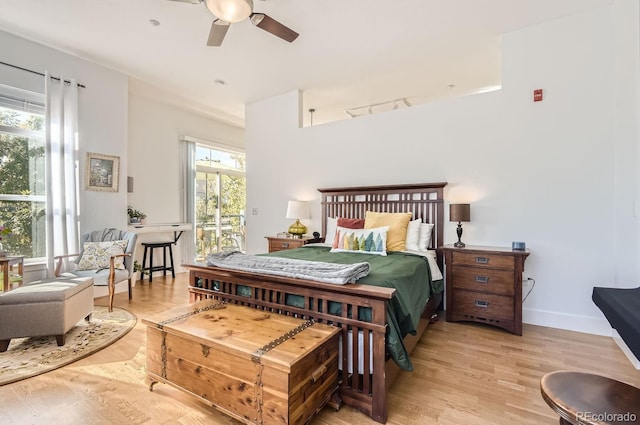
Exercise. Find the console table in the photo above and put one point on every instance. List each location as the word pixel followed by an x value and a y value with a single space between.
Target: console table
pixel 6 267
pixel 158 232
pixel 176 228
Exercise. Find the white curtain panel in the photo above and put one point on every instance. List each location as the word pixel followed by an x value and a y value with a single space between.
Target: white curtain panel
pixel 61 167
pixel 188 247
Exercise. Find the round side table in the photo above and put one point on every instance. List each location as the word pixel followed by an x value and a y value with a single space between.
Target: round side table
pixel 584 398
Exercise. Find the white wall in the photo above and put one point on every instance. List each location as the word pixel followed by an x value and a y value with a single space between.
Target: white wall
pixel 548 173
pixel 144 133
pixel 626 83
pixel 155 154
pixel 102 116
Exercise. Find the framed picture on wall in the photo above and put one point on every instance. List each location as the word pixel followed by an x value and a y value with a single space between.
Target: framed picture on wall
pixel 101 172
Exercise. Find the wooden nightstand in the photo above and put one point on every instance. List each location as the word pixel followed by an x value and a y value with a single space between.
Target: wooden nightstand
pixel 280 244
pixel 484 284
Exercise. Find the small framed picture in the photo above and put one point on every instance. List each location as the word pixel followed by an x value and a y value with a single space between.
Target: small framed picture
pixel 102 172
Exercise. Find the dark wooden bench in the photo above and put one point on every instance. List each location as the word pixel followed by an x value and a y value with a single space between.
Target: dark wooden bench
pixel 621 307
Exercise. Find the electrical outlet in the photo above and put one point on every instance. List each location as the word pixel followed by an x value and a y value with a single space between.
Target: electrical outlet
pixel 254 211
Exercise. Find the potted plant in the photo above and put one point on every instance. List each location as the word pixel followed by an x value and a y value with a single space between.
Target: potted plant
pixel 135 216
pixel 4 231
pixel 137 268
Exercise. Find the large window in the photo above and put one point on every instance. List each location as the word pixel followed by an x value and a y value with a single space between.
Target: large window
pixel 22 172
pixel 220 201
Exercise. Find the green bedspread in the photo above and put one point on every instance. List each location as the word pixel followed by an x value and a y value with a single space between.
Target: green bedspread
pixel 409 274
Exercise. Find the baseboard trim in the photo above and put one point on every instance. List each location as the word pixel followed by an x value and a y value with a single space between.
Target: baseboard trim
pixel 577 323
pixel 625 349
pixel 570 322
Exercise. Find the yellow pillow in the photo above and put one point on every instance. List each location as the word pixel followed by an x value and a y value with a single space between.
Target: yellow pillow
pixel 397 223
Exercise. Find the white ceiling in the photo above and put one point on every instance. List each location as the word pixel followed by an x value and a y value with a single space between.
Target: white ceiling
pixel 350 53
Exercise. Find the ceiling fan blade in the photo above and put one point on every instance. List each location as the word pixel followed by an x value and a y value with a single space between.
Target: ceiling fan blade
pixel 274 27
pixel 218 31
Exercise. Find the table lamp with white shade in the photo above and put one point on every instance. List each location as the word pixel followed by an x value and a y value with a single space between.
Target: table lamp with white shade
pixel 298 210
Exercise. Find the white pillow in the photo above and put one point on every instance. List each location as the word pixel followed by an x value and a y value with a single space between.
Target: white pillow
pixel 424 239
pixel 418 235
pixel 332 223
pixel 363 241
pixel 413 235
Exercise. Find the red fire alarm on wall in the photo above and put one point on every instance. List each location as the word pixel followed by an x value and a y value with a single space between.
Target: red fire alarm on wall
pixel 537 95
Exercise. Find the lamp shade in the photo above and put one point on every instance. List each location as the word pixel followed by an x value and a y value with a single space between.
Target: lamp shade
pixel 459 212
pixel 231 11
pixel 298 210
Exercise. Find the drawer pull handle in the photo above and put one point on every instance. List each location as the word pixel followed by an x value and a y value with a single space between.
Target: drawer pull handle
pixel 317 374
pixel 285 244
pixel 482 279
pixel 483 304
pixel 482 260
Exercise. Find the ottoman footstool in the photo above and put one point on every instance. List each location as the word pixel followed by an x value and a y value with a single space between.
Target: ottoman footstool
pixel 45 307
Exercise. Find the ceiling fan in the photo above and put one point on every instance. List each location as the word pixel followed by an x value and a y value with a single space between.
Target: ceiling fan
pixel 229 12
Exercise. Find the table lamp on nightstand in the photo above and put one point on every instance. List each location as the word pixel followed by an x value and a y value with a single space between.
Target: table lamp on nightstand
pixel 459 213
pixel 298 210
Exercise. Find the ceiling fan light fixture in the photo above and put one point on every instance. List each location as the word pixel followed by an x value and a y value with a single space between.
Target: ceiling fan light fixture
pixel 256 18
pixel 231 11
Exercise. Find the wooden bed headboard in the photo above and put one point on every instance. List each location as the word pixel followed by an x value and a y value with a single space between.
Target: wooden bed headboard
pixel 424 200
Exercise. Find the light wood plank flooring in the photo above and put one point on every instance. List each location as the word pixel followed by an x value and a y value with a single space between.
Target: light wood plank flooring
pixel 464 374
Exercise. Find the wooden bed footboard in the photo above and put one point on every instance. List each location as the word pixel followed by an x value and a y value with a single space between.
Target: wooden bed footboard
pixel 365 371
pixel 363 387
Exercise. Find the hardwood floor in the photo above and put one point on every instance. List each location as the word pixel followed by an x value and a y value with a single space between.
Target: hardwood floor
pixel 464 374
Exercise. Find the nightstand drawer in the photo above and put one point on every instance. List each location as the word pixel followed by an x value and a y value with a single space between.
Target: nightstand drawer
pixel 481 305
pixel 279 245
pixel 484 280
pixel 483 260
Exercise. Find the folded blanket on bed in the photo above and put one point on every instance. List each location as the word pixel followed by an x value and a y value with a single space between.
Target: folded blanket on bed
pixel 288 267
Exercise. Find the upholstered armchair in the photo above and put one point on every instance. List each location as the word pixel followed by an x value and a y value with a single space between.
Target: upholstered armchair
pixel 106 256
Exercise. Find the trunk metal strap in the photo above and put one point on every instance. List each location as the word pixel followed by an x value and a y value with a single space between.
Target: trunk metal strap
pixel 215 306
pixel 255 357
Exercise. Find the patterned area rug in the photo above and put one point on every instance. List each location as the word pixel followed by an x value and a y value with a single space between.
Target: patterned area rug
pixel 27 357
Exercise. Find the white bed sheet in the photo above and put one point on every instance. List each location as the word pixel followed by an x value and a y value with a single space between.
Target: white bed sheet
pixel 360 351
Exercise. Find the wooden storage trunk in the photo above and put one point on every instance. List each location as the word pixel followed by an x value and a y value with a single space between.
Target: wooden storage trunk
pixel 256 366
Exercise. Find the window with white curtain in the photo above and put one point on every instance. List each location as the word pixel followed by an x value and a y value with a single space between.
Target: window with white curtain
pixel 22 172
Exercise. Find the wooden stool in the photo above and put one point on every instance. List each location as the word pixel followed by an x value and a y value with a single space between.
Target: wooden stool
pixel 584 398
pixel 150 246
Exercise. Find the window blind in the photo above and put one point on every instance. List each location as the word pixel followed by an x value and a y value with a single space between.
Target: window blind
pixel 21 100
